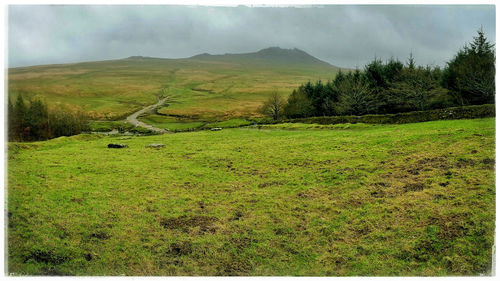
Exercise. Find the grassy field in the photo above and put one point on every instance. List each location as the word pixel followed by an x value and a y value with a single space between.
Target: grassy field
pixel 176 124
pixel 199 88
pixel 285 199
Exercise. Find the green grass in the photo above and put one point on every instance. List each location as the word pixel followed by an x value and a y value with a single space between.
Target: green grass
pixel 173 124
pixel 106 126
pixel 109 90
pixel 176 124
pixel 342 200
pixel 232 123
pixel 120 126
pixel 302 126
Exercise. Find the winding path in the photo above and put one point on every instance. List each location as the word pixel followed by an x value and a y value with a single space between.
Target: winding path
pixel 132 119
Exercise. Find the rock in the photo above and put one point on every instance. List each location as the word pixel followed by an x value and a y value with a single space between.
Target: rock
pixel 216 129
pixel 117 145
pixel 155 145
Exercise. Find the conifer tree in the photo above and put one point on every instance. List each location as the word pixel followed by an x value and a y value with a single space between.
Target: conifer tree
pixel 470 75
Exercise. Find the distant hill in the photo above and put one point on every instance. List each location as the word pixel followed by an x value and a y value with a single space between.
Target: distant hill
pixel 141 57
pixel 202 86
pixel 270 55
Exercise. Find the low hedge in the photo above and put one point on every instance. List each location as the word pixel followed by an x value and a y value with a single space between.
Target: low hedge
pixel 464 112
pixel 106 126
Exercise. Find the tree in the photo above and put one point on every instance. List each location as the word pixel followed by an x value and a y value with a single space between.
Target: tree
pixel 273 107
pixel 353 95
pixel 298 105
pixel 317 97
pixel 11 122
pixel 20 118
pixel 413 90
pixel 37 117
pixel 330 97
pixel 33 121
pixel 380 77
pixel 470 75
pixel 411 62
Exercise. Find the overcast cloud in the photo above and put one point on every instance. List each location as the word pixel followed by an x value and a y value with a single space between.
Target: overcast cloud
pixel 347 36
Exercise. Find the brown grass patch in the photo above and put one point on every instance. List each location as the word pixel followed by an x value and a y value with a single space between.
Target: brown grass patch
pixel 205 224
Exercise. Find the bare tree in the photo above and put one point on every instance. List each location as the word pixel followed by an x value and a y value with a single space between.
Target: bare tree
pixel 273 107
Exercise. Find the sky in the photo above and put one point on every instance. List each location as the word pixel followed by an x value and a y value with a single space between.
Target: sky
pixel 346 36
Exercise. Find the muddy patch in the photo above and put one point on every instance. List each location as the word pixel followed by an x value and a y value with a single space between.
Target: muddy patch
pixel 47 256
pixel 463 163
pixel 77 200
pixel 205 224
pixel 451 226
pixel 234 266
pixel 419 167
pixel 270 184
pixel 381 190
pixel 180 248
pixel 240 243
pixel 378 194
pixel 237 216
pixel 488 163
pixel 100 234
pixel 418 186
pixel 433 162
pixel 222 163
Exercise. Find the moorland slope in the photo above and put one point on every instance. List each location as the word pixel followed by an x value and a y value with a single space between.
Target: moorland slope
pixel 202 86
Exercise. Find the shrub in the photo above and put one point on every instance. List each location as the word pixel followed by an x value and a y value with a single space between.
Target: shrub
pixel 273 107
pixel 141 130
pixel 466 112
pixel 34 121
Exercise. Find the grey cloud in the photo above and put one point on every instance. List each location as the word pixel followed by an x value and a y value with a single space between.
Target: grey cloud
pixel 346 36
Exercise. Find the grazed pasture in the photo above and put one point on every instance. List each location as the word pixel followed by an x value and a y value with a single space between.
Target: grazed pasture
pixel 285 199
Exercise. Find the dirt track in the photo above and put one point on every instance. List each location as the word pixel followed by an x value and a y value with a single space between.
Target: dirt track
pixel 132 119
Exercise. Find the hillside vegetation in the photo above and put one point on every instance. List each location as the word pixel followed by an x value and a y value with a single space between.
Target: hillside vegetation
pixel 288 199
pixel 204 86
pixel 395 87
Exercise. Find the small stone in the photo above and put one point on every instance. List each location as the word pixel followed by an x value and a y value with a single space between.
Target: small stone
pixel 155 145
pixel 117 145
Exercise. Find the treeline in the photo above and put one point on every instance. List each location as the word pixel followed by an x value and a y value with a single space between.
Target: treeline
pixel 396 87
pixel 32 121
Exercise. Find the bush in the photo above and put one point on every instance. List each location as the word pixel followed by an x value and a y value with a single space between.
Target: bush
pixel 34 121
pixel 466 112
pixel 64 122
pixel 106 126
pixel 141 130
pixel 274 106
pixel 231 123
